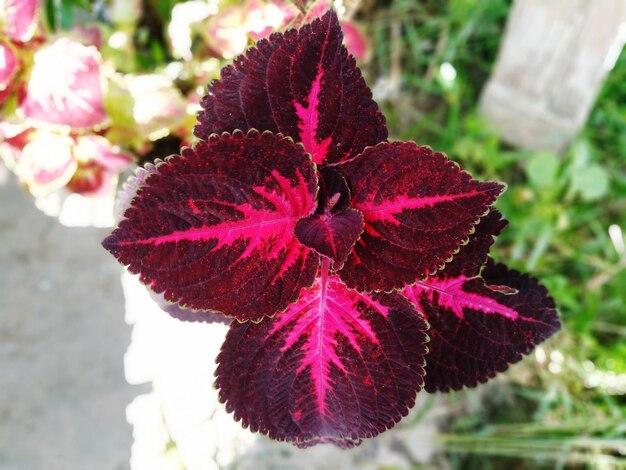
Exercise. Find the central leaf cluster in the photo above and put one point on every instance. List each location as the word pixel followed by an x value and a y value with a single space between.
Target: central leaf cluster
pixel 335 227
pixel 332 248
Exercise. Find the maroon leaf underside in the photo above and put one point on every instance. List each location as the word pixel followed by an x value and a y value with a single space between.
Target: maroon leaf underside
pixel 201 226
pixel 479 325
pixel 187 314
pixel 418 208
pixel 132 186
pixel 473 256
pixel 335 367
pixel 303 84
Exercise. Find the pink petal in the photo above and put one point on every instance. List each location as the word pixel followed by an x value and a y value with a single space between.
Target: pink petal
pixel 185 16
pixel 157 104
pixel 65 86
pixel 99 163
pixel 316 9
pixel 46 163
pixel 20 19
pixel 226 33
pixel 354 40
pixel 9 66
pixel 100 150
pixel 261 18
pixel 91 179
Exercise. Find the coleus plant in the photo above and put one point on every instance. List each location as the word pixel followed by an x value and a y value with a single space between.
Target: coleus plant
pixel 356 269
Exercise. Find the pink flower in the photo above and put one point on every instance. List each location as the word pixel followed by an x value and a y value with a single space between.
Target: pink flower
pixel 46 163
pixel 158 106
pixel 354 40
pixel 13 139
pixel 229 30
pixel 261 16
pixel 20 18
pixel 9 65
pixel 65 86
pixel 185 17
pixel 98 164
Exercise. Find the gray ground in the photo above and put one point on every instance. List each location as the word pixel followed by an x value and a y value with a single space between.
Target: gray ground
pixel 62 339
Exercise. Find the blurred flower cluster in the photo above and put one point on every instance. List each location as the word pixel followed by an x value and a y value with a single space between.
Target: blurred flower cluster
pixel 54 119
pixel 88 89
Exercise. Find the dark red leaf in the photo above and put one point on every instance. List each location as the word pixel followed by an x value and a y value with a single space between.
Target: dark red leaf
pixel 418 208
pixel 335 367
pixel 473 256
pixel 481 325
pixel 353 38
pixel 331 235
pixel 213 229
pixel 303 84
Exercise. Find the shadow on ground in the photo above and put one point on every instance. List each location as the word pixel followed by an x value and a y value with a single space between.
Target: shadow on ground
pixel 62 341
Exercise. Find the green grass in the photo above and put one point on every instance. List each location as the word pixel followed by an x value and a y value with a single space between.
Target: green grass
pixel 569 414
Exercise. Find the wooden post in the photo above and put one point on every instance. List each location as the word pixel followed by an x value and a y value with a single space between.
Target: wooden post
pixel 551 65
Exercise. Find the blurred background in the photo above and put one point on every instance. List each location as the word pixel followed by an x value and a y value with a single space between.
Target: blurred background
pixel 94 375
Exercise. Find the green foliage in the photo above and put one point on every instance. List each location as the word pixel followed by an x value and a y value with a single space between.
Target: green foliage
pixel 62 14
pixel 150 49
pixel 567 404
